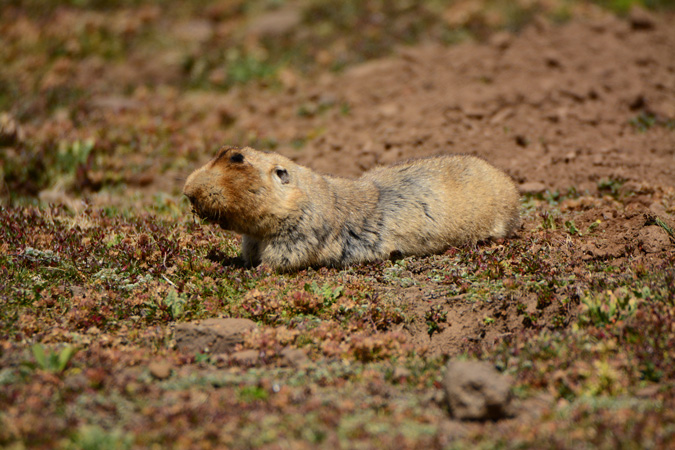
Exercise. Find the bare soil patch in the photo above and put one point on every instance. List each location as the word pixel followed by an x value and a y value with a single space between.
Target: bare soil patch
pixel 564 106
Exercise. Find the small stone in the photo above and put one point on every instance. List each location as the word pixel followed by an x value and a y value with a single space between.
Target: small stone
pixel 501 116
pixel 194 30
pixel 218 76
pixel 276 23
pixel 558 115
pixel 649 391
pixel 641 19
pixel 476 391
pixel 653 239
pixel 10 131
pixel 401 373
pixel 245 357
pixel 160 369
pixel 637 101
pixel 475 113
pixel 79 381
pixel 532 187
pixel 211 335
pixel 388 110
pixel 501 40
pixel 541 24
pixel 293 357
pixel 522 140
pixel 289 79
pixel 220 360
pixel 552 59
pixel 115 103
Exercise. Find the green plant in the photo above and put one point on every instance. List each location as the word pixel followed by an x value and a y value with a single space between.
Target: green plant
pixel 434 317
pixel 607 309
pixel 547 221
pixel 618 6
pixel 92 437
pixel 552 197
pixel 665 226
pixel 176 303
pixel 202 358
pixel 610 185
pixel 529 319
pixel 69 157
pixel 643 121
pixel 244 67
pixel 249 394
pixel 592 227
pixel 572 228
pixel 327 292
pixel 345 109
pixel 312 109
pixel 298 143
pixel 51 361
pixel 170 306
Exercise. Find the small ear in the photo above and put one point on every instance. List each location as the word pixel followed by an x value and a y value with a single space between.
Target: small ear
pixel 236 158
pixel 282 174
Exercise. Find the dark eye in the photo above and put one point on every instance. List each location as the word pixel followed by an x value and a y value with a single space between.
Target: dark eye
pixel 282 174
pixel 237 158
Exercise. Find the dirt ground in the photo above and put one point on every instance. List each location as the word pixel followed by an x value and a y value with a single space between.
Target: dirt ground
pixel 552 106
pixel 578 307
pixel 584 108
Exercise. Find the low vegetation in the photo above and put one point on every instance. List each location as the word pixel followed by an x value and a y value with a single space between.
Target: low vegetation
pixel 98 100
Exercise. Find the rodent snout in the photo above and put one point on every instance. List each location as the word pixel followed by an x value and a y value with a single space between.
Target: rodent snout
pixel 190 191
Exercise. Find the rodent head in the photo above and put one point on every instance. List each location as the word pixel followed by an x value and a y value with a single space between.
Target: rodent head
pixel 245 190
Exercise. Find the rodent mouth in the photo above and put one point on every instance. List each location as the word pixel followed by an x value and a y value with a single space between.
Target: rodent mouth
pixel 211 217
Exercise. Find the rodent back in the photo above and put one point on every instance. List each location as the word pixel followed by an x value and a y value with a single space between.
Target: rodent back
pixel 429 204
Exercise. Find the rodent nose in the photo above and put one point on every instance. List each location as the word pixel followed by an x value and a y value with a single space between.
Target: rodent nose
pixel 190 197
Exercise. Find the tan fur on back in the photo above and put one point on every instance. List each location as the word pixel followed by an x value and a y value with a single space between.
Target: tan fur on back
pixel 291 217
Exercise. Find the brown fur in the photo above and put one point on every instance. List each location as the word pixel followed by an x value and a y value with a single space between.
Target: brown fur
pixel 291 217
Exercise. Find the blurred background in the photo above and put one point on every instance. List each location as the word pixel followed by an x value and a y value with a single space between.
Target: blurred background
pixel 99 96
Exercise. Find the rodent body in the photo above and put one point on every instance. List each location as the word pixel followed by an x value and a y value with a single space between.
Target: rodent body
pixel 292 217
